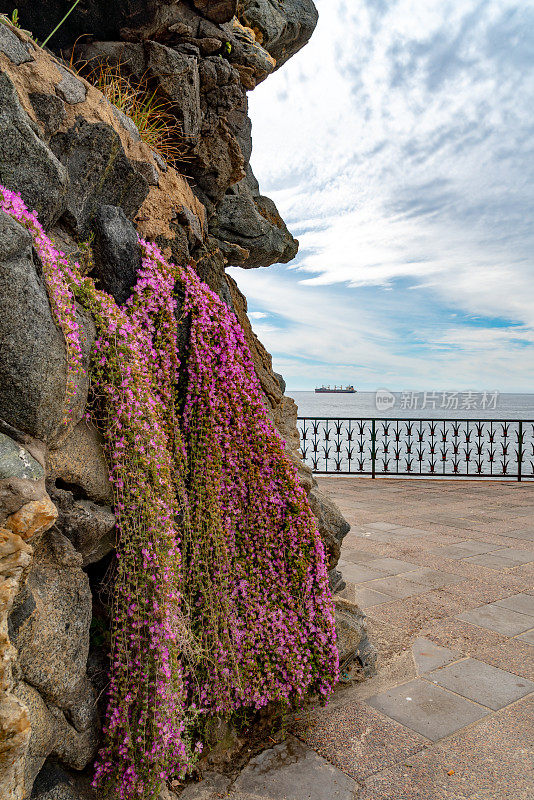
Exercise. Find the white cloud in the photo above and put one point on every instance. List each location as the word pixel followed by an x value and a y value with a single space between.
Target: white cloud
pixel 398 147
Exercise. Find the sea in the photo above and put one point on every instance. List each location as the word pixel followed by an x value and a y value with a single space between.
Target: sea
pixel 384 404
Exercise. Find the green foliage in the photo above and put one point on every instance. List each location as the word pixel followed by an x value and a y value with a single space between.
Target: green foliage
pixel 58 26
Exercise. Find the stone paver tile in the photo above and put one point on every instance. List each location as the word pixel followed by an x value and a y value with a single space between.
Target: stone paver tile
pixel 514 656
pixel 480 591
pixel 415 613
pixel 428 709
pixel 387 537
pixel 523 603
pixel 408 530
pixel 499 619
pixel 397 587
pixel 464 637
pixel 491 760
pixel 496 560
pixel 392 566
pixel 292 771
pixel 429 656
pixel 469 547
pixel 522 533
pixel 520 556
pixel 357 739
pixel 527 637
pixel 357 574
pixel 487 685
pixel 433 578
pixel 382 526
pixel 525 572
pixel 356 556
pixel 364 597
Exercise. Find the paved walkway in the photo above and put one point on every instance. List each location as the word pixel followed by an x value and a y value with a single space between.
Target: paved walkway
pixel 445 572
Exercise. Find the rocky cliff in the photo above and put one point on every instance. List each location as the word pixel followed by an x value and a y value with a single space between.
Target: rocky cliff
pixel 97 183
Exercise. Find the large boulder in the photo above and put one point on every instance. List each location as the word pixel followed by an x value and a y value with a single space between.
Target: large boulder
pixel 79 465
pixel 49 627
pixel 216 10
pixel 283 26
pixel 88 526
pixel 357 655
pixel 177 76
pixel 53 638
pixel 33 363
pixel 26 164
pixel 98 172
pixel 247 219
pixel 116 251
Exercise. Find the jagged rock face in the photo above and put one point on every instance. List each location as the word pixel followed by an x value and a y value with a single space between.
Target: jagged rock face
pixel 284 26
pixel 33 366
pixel 26 162
pixel 82 164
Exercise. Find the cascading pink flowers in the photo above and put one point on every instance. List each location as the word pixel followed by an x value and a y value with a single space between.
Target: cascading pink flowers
pixel 221 600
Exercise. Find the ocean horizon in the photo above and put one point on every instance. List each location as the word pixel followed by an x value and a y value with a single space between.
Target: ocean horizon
pixel 414 405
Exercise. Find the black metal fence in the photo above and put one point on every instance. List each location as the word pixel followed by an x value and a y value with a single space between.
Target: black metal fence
pixel 468 448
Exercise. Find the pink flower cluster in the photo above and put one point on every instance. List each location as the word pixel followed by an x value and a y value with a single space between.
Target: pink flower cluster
pixel 258 575
pixel 221 599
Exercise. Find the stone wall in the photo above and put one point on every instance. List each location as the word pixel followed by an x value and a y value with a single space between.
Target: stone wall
pixel 81 164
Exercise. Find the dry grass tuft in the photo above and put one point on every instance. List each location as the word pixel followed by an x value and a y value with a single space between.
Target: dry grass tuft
pixel 152 115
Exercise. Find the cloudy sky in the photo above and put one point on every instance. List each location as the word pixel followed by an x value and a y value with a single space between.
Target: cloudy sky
pixel 398 146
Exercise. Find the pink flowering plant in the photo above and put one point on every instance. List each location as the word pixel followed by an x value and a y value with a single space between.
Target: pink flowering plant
pixel 221 600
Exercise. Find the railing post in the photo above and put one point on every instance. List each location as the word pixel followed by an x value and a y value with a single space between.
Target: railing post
pixel 520 450
pixel 373 449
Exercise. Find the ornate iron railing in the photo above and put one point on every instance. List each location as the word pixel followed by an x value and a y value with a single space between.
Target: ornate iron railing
pixel 468 448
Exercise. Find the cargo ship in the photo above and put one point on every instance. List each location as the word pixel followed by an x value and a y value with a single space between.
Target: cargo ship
pixel 335 390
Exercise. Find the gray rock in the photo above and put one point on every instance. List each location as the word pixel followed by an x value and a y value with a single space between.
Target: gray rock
pixel 88 526
pixel 101 19
pixel 43 732
pixel 99 173
pixel 50 111
pixel 18 52
pixel 174 73
pixel 212 786
pixel 357 656
pixel 285 25
pixel 26 164
pixel 281 381
pixel 70 88
pixel 33 366
pixel 127 123
pixel 116 252
pixel 148 171
pixel 292 770
pixel 16 462
pixel 52 636
pixel 250 58
pixel 177 76
pixel 79 465
pixel 53 783
pixel 52 735
pixel 216 10
pixel 333 527
pixel 336 581
pixel 254 223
